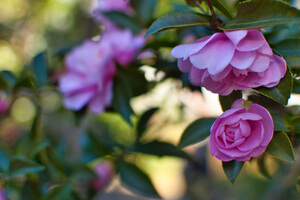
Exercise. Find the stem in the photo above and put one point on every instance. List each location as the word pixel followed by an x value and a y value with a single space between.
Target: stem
pixel 215 22
pixel 200 7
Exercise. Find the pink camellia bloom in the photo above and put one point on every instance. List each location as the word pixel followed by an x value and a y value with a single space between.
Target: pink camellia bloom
pixel 123 45
pixel 241 133
pixel 89 77
pixel 110 5
pixel 105 172
pixel 231 60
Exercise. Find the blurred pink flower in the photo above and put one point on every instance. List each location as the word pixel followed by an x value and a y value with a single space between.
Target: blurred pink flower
pixel 4 104
pixel 110 5
pixel 241 133
pixel 105 172
pixel 231 60
pixel 89 77
pixel 2 194
pixel 123 45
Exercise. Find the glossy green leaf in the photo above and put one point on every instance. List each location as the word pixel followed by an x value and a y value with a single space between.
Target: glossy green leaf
pixel 280 147
pixel 296 86
pixel 280 123
pixel 136 179
pixel 123 20
pixel 262 13
pixel 280 93
pixel 20 166
pixel 37 147
pixel 39 65
pixel 159 149
pixel 232 169
pixel 178 20
pixel 222 8
pixel 196 132
pixel 143 122
pixel 3 83
pixel 60 192
pixel 227 101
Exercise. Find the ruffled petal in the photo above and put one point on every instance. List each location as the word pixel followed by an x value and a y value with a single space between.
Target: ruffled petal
pixel 253 41
pixel 243 60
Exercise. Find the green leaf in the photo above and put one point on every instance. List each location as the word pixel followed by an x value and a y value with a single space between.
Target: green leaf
pixel 39 65
pixel 280 93
pixel 60 192
pixel 37 147
pixel 262 13
pixel 288 47
pixel 4 161
pixel 178 20
pixel 136 179
pixel 232 169
pixel 145 9
pixel 280 147
pixel 222 8
pixel 196 132
pixel 123 20
pixel 9 77
pixel 159 149
pixel 227 101
pixel 279 123
pixel 262 167
pixel 121 100
pixel 31 190
pixel 143 122
pixel 26 80
pixel 20 165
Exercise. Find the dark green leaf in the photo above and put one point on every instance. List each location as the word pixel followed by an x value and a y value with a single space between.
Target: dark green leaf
pixel 196 132
pixel 288 47
pixel 159 149
pixel 37 147
pixel 227 101
pixel 31 191
pixel 4 161
pixel 296 86
pixel 262 166
pixel 280 147
pixel 123 20
pixel 145 9
pixel 143 122
pixel 60 192
pixel 26 80
pixel 20 165
pixel 9 77
pixel 222 8
pixel 3 83
pixel 232 169
pixel 136 179
pixel 280 93
pixel 39 65
pixel 178 20
pixel 121 100
pixel 258 13
pixel 279 123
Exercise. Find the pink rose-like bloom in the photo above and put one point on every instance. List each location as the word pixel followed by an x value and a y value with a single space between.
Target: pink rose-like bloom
pixel 89 77
pixel 231 60
pixel 123 45
pixel 241 133
pixel 110 5
pixel 105 172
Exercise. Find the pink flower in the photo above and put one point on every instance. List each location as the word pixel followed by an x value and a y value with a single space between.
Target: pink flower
pixel 241 133
pixel 110 5
pixel 89 77
pixel 2 194
pixel 105 172
pixel 232 60
pixel 123 45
